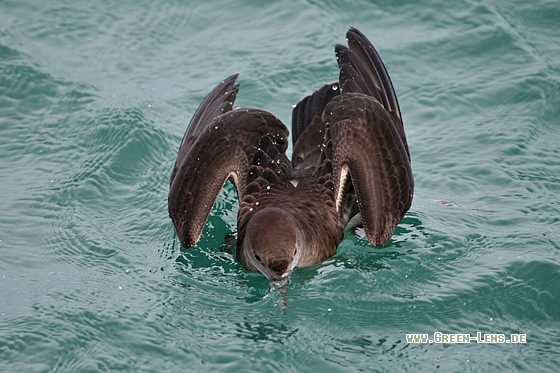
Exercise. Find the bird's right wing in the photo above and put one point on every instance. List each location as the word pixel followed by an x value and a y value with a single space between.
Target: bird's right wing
pixel 219 143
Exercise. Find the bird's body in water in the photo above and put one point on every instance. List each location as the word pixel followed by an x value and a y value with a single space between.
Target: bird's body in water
pixel 350 156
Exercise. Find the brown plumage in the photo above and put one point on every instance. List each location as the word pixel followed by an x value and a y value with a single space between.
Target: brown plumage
pixel 350 156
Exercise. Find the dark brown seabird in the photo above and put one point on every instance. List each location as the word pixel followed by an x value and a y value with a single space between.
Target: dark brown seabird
pixel 350 156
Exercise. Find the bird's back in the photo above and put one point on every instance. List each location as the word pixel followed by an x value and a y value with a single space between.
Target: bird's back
pixel 270 184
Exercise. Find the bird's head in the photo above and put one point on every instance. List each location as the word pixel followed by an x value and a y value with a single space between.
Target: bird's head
pixel 273 243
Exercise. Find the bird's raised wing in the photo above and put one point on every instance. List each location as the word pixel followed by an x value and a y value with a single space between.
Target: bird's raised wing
pixel 308 130
pixel 366 143
pixel 219 143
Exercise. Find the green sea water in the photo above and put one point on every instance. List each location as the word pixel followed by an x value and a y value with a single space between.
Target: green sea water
pixel 94 99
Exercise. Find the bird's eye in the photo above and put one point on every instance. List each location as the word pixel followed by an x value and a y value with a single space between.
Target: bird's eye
pixel 295 251
pixel 257 257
